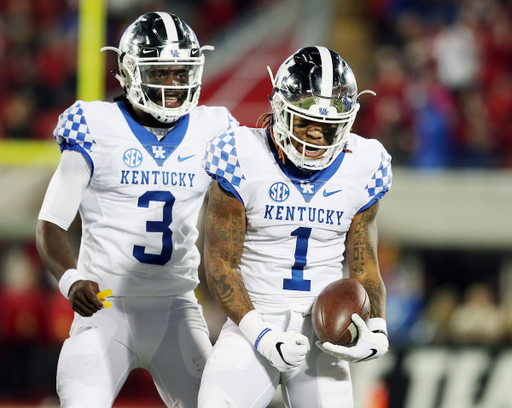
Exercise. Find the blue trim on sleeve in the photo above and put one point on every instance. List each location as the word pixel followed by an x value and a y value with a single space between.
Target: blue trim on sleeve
pixel 374 199
pixel 80 149
pixel 227 186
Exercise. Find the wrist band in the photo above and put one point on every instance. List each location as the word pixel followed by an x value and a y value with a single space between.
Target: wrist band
pixel 67 280
pixel 253 327
pixel 260 336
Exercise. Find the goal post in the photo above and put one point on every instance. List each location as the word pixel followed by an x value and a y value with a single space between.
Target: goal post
pixel 92 21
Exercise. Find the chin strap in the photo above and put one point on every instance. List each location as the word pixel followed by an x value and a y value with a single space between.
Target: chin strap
pixel 280 152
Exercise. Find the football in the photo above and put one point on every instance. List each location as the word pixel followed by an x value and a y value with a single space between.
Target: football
pixel 333 308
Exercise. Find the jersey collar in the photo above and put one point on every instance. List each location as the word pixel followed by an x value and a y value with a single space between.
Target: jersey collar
pixel 159 150
pixel 308 183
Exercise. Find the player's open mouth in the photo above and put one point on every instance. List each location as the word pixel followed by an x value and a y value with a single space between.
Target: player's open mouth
pixel 313 152
pixel 172 101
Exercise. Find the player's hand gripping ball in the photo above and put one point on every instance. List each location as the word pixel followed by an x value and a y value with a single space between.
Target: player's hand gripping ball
pixel 333 308
pixel 104 294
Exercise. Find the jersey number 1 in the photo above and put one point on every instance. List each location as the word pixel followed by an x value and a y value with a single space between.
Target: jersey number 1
pixel 297 282
pixel 157 226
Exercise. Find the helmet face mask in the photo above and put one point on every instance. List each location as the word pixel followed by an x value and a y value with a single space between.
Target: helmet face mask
pixel 316 85
pixel 170 86
pixel 161 65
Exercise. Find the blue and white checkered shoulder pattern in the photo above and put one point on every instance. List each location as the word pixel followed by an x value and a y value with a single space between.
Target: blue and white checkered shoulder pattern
pixel 72 129
pixel 381 180
pixel 221 159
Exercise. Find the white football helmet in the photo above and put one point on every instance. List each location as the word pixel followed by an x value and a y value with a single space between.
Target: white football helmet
pixel 315 84
pixel 160 65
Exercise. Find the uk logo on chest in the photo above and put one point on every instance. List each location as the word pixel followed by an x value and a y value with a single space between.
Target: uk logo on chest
pixel 159 152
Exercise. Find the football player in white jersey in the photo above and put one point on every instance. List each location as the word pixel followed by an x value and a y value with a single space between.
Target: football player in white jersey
pixel 290 202
pixel 133 170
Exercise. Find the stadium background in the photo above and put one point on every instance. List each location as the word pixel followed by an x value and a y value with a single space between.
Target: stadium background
pixel 442 70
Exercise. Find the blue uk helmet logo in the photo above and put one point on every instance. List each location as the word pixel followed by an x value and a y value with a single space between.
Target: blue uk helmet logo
pixel 279 192
pixel 324 111
pixel 132 158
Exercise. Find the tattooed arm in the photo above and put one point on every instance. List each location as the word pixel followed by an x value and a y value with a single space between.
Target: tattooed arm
pixel 362 258
pixel 372 340
pixel 224 240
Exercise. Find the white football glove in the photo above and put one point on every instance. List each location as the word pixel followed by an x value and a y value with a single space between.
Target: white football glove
pixel 372 342
pixel 286 351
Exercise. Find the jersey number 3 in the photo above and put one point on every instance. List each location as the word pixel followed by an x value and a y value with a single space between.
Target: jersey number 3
pixel 157 226
pixel 297 282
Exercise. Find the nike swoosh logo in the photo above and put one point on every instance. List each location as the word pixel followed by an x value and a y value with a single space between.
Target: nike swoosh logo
pixel 278 347
pixel 327 194
pixel 180 159
pixel 144 51
pixel 374 351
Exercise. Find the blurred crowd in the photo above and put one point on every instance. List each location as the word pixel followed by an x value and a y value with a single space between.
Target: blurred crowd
pixel 447 302
pixel 443 75
pixel 34 323
pixel 38 50
pixel 442 71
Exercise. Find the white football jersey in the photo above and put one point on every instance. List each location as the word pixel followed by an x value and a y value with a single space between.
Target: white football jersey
pixel 140 209
pixel 296 222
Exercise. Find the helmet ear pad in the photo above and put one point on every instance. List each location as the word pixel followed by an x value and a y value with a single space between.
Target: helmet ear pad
pixel 126 73
pixel 134 95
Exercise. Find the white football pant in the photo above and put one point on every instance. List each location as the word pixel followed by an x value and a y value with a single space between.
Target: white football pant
pixel 237 376
pixel 167 336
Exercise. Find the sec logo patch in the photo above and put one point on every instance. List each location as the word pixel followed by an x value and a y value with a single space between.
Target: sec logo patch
pixel 279 192
pixel 132 158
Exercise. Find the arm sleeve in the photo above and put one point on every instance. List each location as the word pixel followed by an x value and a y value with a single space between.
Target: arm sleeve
pixel 66 189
